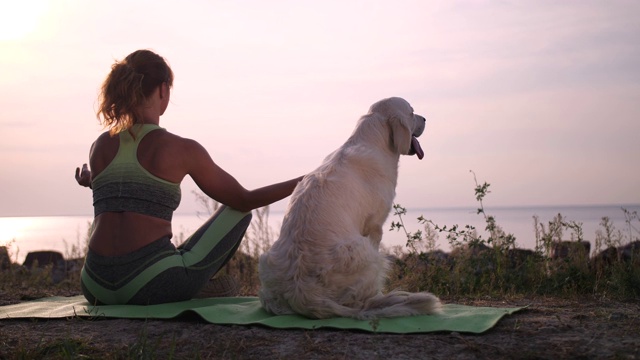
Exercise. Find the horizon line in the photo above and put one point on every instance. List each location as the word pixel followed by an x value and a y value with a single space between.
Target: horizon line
pixel 439 208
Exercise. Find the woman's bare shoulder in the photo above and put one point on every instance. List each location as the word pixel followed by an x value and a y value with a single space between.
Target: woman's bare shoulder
pixel 106 136
pixel 183 142
pixel 105 140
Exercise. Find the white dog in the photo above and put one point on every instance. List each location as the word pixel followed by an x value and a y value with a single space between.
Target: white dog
pixel 326 261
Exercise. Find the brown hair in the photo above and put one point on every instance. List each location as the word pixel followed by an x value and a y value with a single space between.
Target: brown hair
pixel 127 87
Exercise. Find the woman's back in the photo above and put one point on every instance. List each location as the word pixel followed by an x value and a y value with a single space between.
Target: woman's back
pixel 136 192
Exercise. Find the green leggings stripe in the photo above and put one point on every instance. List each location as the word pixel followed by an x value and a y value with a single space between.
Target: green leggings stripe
pixel 216 231
pixel 225 221
pixel 125 293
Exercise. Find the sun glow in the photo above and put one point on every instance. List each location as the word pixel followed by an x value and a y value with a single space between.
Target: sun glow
pixel 19 18
pixel 13 228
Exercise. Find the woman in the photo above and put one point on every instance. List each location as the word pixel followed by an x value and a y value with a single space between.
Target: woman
pixel 136 170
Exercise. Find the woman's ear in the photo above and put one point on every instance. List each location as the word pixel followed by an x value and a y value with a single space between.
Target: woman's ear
pixel 164 90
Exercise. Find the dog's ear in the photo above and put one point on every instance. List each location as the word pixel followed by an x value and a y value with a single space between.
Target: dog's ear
pixel 400 135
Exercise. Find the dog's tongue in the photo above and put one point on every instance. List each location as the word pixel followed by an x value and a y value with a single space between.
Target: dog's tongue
pixel 415 146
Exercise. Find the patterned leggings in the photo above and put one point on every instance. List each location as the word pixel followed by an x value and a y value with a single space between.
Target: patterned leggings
pixel 160 272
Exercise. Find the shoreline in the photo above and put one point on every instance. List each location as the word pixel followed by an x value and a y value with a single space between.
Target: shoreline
pixel 59 232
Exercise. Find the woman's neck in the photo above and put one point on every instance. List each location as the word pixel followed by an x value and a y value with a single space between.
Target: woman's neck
pixel 149 114
pixel 151 110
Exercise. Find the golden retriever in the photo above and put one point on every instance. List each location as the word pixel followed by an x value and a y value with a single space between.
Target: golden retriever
pixel 326 261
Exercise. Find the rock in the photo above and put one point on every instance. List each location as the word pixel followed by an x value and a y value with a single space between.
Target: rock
pixel 37 260
pixel 5 260
pixel 575 250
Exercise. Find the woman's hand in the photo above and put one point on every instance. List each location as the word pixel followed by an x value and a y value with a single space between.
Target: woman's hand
pixel 83 177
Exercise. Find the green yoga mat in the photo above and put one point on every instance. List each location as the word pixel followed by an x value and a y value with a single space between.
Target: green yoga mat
pixel 248 311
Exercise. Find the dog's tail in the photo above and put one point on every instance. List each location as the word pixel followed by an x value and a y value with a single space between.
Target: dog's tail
pixel 393 304
pixel 400 303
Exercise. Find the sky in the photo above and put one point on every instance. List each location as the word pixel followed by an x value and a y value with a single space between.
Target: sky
pixel 538 98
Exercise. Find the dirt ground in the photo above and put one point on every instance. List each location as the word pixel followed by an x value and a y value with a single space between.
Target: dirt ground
pixel 549 328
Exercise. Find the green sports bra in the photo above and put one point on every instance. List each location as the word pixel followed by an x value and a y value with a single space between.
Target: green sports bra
pixel 124 185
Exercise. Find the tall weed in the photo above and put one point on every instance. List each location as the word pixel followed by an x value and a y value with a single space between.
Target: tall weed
pixel 491 264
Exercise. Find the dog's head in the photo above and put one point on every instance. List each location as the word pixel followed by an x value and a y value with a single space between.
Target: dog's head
pixel 405 126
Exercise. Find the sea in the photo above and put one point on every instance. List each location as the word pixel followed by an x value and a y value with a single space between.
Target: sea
pixel 68 234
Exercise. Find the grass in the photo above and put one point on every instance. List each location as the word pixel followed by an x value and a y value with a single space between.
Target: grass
pixel 143 346
pixel 65 348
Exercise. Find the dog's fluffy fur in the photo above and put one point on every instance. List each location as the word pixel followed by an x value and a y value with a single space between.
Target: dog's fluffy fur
pixel 326 261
